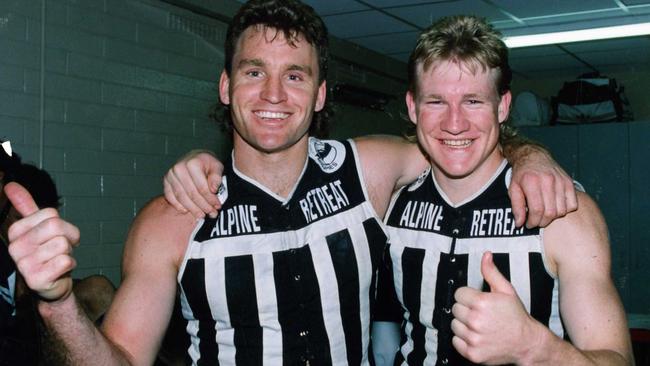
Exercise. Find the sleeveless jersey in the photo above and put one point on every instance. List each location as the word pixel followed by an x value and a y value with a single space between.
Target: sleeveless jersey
pixel 275 281
pixel 436 247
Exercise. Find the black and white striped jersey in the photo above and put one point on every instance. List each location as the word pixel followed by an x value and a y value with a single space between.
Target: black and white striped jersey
pixel 275 281
pixel 436 247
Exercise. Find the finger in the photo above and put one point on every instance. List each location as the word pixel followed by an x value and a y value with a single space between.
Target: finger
pixel 460 345
pixel 169 194
pixel 21 199
pixel 52 280
pixel 184 176
pixel 183 198
pixel 213 168
pixel 41 233
pixel 205 177
pixel 492 275
pixel 560 198
pixel 51 249
pixel 215 182
pixel 535 201
pixel 466 296
pixel 203 187
pixel 549 194
pixel 518 203
pixel 27 223
pixel 460 330
pixel 32 264
pixel 461 312
pixel 571 195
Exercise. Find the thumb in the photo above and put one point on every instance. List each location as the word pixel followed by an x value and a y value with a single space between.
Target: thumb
pixel 518 201
pixel 493 276
pixel 21 199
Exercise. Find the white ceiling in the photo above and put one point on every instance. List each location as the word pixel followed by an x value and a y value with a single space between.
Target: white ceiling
pixel 390 27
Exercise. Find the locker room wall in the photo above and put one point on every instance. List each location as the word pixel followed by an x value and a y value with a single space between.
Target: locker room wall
pixel 107 94
pixel 611 161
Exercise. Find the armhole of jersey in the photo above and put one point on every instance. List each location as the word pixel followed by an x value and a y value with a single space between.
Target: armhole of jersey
pixel 362 180
pixel 391 204
pixel 181 269
pixel 544 256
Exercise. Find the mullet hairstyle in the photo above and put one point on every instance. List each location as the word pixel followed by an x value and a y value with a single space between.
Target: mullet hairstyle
pixel 292 19
pixel 467 40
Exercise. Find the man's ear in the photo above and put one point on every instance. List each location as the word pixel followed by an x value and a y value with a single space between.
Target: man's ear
pixel 224 88
pixel 504 106
pixel 320 97
pixel 411 106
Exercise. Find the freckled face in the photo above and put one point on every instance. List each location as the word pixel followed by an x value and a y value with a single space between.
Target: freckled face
pixel 457 114
pixel 272 91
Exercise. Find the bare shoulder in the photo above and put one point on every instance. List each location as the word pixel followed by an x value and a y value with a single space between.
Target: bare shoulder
pixel 580 236
pixel 158 230
pixel 388 163
pixel 140 312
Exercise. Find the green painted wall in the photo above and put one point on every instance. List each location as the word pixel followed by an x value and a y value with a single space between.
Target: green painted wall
pixel 107 94
pixel 611 161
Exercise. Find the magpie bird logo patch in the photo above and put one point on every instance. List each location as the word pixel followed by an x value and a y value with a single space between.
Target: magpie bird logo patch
pixel 421 179
pixel 222 192
pixel 329 154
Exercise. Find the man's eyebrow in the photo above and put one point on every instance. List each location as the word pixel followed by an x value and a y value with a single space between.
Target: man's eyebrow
pixel 251 62
pixel 432 96
pixel 473 95
pixel 306 69
pixel 260 63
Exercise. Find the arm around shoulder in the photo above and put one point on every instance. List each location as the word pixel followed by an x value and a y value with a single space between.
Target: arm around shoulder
pixel 388 163
pixel 577 248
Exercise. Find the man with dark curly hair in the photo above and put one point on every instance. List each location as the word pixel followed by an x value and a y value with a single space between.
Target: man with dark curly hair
pixel 286 273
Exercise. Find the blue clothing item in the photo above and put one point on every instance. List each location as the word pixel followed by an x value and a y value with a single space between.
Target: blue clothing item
pixel 7 288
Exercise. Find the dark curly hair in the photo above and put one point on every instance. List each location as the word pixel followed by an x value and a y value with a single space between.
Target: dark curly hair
pixel 292 19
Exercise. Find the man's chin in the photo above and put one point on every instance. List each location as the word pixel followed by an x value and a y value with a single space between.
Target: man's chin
pixel 454 171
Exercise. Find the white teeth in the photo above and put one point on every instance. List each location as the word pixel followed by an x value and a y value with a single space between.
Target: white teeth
pixel 459 143
pixel 272 115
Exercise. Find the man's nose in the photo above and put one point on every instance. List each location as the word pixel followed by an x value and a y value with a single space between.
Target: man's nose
pixel 455 121
pixel 274 90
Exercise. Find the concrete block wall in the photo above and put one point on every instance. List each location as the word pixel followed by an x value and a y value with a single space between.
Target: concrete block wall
pixel 126 91
pixel 106 94
pixel 610 160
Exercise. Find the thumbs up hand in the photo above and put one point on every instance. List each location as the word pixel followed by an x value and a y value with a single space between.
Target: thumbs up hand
pixel 41 245
pixel 492 327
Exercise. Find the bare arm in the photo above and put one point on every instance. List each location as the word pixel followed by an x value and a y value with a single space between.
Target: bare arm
pixel 41 245
pixel 539 185
pixel 390 162
pixel 138 317
pixel 589 303
pixel 494 327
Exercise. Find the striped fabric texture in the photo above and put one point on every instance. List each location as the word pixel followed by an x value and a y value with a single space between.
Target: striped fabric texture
pixel 436 247
pixel 274 281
